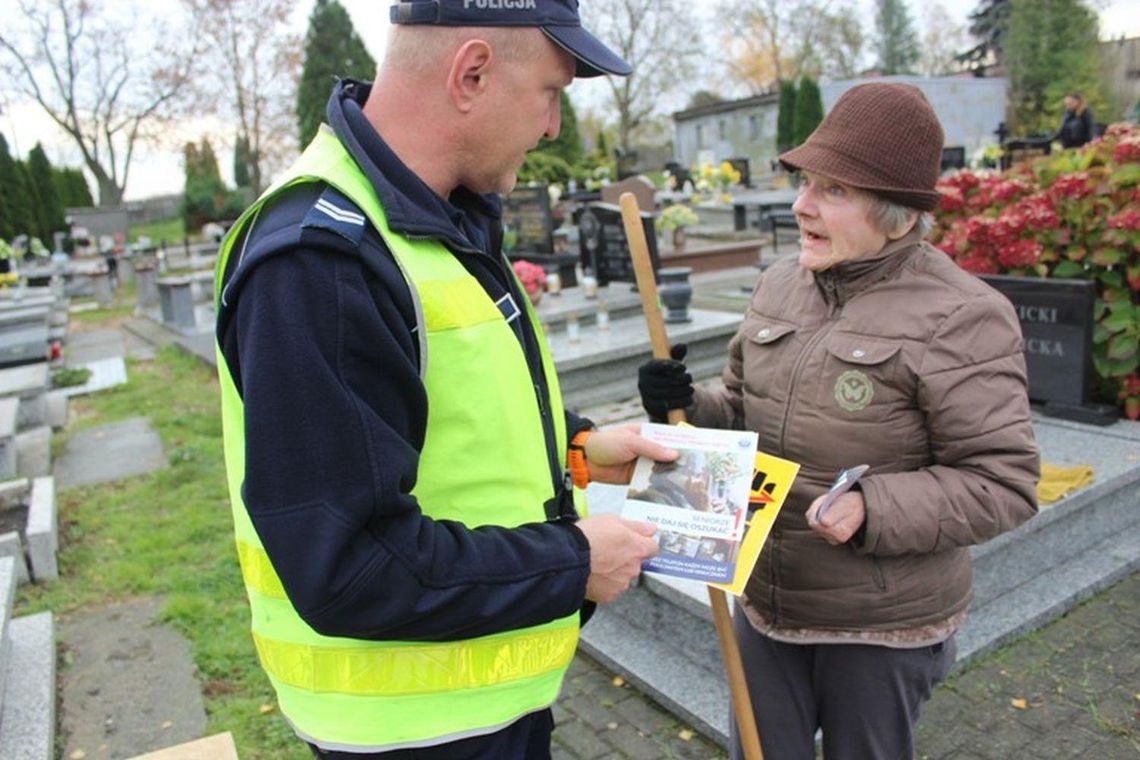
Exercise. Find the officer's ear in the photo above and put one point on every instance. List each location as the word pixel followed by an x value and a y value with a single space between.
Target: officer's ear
pixel 467 79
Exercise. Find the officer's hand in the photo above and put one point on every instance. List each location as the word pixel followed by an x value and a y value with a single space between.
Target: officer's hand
pixel 665 384
pixel 612 452
pixel 617 549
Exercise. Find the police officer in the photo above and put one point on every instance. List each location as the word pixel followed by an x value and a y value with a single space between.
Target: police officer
pixel 398 456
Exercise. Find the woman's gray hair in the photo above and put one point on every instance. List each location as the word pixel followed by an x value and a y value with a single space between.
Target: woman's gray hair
pixel 888 216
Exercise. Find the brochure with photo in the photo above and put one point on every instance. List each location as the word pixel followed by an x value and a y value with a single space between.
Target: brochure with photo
pixel 711 512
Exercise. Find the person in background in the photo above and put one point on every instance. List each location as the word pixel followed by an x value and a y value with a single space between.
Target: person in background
pixel 870 347
pixel 399 459
pixel 1077 125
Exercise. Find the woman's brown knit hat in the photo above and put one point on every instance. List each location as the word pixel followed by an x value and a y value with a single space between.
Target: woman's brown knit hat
pixel 880 137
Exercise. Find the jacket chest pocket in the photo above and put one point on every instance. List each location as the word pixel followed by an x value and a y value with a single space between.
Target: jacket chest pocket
pixel 859 373
pixel 766 356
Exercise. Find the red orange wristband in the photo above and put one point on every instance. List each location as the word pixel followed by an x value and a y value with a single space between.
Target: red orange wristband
pixel 576 459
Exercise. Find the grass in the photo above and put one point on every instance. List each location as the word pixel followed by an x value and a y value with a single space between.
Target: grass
pixel 171 230
pixel 168 534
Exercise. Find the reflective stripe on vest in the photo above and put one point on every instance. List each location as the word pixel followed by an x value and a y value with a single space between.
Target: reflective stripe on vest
pixel 482 463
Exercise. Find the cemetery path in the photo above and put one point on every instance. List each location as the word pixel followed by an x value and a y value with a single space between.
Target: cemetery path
pixel 127 683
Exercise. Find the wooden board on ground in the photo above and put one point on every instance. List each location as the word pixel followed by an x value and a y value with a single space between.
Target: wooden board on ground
pixel 216 747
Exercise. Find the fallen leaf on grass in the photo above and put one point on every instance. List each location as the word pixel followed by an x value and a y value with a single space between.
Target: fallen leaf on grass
pixel 685 735
pixel 1020 704
pixel 265 709
pixel 618 681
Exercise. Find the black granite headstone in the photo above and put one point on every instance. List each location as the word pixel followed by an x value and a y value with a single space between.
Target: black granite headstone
pixel 526 210
pixel 603 245
pixel 1056 323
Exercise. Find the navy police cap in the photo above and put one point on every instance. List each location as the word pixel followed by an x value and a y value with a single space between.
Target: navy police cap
pixel 558 19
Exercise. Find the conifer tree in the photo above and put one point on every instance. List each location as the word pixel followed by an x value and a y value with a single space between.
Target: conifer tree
pixel 17 200
pixel 243 177
pixel 71 184
pixel 809 110
pixel 42 177
pixel 1050 51
pixel 786 117
pixel 205 193
pixel 568 144
pixel 896 42
pixel 332 49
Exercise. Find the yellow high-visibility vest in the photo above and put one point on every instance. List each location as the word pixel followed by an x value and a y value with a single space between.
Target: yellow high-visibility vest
pixel 483 463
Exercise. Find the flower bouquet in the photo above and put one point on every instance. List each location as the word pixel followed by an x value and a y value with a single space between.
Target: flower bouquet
pixel 531 277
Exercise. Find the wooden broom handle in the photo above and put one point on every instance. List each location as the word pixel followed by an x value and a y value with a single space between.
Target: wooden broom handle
pixel 718 599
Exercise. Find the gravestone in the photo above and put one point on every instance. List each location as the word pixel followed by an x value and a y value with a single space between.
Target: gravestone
pixel 1016 151
pixel 1056 323
pixel 643 190
pixel 953 157
pixel 526 210
pixel 603 246
pixel 176 298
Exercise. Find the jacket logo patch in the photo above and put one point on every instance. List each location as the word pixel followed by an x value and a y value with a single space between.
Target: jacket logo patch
pixel 853 390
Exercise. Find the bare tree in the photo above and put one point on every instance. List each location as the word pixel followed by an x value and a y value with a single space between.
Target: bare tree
pixel 658 39
pixel 942 41
pixel 256 63
pixel 105 84
pixel 773 40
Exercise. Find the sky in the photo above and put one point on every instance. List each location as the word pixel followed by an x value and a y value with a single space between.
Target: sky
pixel 156 171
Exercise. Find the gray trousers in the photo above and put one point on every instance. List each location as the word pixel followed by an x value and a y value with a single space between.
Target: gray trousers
pixel 865 698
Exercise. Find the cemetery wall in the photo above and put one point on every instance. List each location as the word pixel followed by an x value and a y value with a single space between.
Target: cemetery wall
pixel 970 108
pixel 1120 69
pixel 743 128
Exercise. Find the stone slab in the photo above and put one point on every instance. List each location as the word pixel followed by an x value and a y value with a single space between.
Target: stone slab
pixel 7 595
pixel 601 366
pixel 9 407
pixel 110 452
pixel 216 747
pixel 105 373
pixel 23 344
pixel 14 492
pixel 33 452
pixel 130 685
pixel 27 725
pixel 93 345
pixel 24 381
pixel 35 300
pixel 28 316
pixel 56 409
pixel 13 548
pixel 42 534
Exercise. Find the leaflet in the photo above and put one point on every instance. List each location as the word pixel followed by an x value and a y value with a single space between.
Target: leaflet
pixel 713 507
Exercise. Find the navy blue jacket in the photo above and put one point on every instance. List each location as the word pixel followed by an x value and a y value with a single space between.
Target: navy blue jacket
pixel 316 328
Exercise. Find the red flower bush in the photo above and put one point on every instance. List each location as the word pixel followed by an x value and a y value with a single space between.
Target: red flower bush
pixel 1075 214
pixel 532 276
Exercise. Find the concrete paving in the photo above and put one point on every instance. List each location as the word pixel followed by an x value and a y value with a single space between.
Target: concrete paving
pixel 110 452
pixel 130 685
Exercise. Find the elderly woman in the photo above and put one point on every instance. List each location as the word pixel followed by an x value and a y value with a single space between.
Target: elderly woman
pixel 872 348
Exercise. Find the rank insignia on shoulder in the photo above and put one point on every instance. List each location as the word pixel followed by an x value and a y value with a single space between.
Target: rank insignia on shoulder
pixel 336 213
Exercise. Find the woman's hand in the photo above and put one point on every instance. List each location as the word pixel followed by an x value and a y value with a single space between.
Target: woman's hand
pixel 842 520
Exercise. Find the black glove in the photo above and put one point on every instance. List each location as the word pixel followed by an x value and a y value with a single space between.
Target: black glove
pixel 665 384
